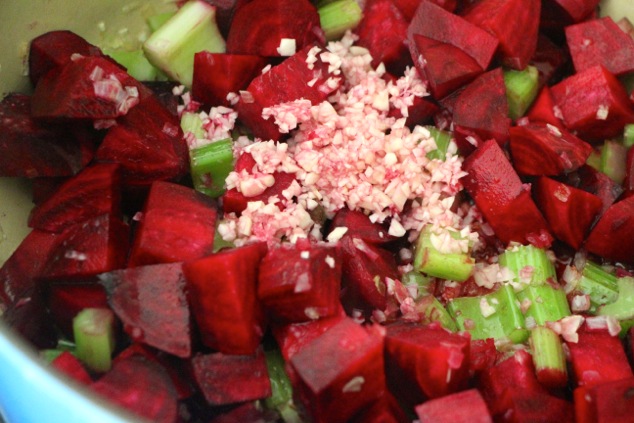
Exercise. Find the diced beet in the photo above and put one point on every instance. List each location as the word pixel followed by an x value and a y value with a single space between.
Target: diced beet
pixel 432 21
pixel 386 409
pixel 164 93
pixel 542 109
pixel 593 103
pixel 570 212
pixel 598 183
pixel 500 196
pixel 88 87
pixel 425 361
pixel 31 149
pixel 515 23
pixel 542 149
pixel 235 202
pixel 577 10
pixel 365 270
pixel 408 7
pixel 259 26
pixel 222 292
pixel 628 183
pixel 150 301
pixel 490 119
pixel 70 366
pixel 65 300
pixel 445 66
pixel 613 236
pixel 43 188
pixel 549 59
pixel 482 355
pixel 177 224
pixel 148 143
pixel 462 407
pixel 605 402
pixel 141 387
pixel 54 49
pixel 225 9
pixel 522 407
pixel 597 358
pixel 228 379
pixel 382 30
pixel 600 42
pixel 359 226
pixel 293 337
pixel 298 283
pixel 218 74
pixel 21 299
pixel 515 373
pixel 88 248
pixel 283 83
pixel 94 191
pixel 347 376
pixel 420 112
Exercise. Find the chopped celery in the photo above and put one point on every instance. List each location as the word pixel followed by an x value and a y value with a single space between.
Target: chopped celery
pixel 157 21
pixel 429 260
pixel 191 122
pixel 628 135
pixel 613 160
pixel 136 64
pixel 594 160
pixel 281 398
pixel 417 279
pixel 548 356
pixel 545 303
pixel 599 285
pixel 93 329
pixel 339 16
pixel 496 315
pixel 521 89
pixel 623 307
pixel 191 30
pixel 442 138
pixel 529 264
pixel 51 354
pixel 433 311
pixel 210 166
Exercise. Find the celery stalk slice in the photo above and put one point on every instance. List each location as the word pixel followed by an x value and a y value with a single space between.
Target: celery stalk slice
pixel 210 166
pixel 135 62
pixel 281 398
pixel 628 135
pixel 442 138
pixel 613 160
pixel 531 261
pixel 93 329
pixel 157 21
pixel 521 90
pixel 545 303
pixel 548 356
pixel 623 307
pixel 339 16
pixel 429 260
pixel 599 285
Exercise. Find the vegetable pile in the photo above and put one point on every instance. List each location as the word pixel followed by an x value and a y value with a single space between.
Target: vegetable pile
pixel 281 210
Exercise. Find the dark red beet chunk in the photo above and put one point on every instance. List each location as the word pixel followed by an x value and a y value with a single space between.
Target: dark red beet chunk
pixel 235 202
pixel 593 103
pixel 549 59
pixel 386 409
pixel 515 23
pixel 482 355
pixel 228 379
pixel 93 192
pixel 542 149
pixel 408 7
pixel 141 387
pixel 542 109
pixel 54 49
pixel 348 376
pixel 601 42
pixel 177 224
pixel 218 74
pixel 150 302
pixel 65 300
pixel 570 212
pixel 298 283
pixel 535 407
pixel 613 236
pixel 222 292
pixel 70 366
pixel 359 226
pixel 605 402
pixel 628 183
pixel 32 149
pixel 259 26
pixel 382 31
pixel 462 407
pixel 425 361
pixel 577 10
pixel 293 337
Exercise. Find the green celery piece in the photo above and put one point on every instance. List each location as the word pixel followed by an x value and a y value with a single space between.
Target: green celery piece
pixel 414 278
pixel 157 21
pixel 51 354
pixel 434 311
pixel 518 257
pixel 548 352
pixel 93 329
pixel 594 160
pixel 547 303
pixel 191 30
pixel 428 260
pixel 623 307
pixel 628 135
pixel 191 122
pixel 339 16
pixel 613 156
pixel 210 166
pixel 601 286
pixel 442 139
pixel 506 321
pixel 521 90
pixel 281 398
pixel 136 64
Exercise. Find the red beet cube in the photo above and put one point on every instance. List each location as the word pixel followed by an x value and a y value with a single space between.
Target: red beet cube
pixel 235 202
pixel 65 300
pixel 348 376
pixel 222 292
pixel 386 409
pixel 358 225
pixel 425 361
pixel 613 235
pixel 605 402
pixel 293 337
pixel 177 224
pixel 70 366
pixel 522 407
pixel 228 379
pixel 482 354
pixel 577 10
pixel 549 59
pixel 462 407
pixel 300 283
pixel 542 109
